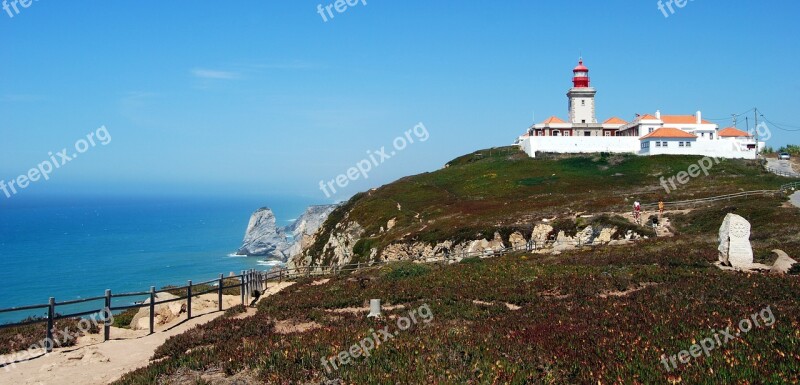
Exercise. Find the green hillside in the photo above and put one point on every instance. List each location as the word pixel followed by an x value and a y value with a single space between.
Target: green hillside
pixel 593 315
pixel 503 189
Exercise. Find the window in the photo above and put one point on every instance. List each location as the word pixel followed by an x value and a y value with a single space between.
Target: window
pixel 607 133
pixel 566 133
pixel 703 134
pixel 583 121
pixel 587 133
pixel 688 144
pixel 711 135
pixel 658 144
pixel 651 129
pixel 663 144
pixel 680 144
pixel 583 102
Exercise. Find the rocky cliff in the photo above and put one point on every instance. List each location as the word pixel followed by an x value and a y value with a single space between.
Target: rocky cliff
pixel 302 231
pixel 264 238
pixel 346 243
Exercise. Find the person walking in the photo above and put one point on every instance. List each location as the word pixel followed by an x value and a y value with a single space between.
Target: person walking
pixel 660 208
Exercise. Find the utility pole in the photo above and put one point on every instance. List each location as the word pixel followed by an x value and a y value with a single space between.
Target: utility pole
pixel 755 111
pixel 734 119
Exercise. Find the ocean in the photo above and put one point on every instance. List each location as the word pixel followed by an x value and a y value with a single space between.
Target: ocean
pixel 77 247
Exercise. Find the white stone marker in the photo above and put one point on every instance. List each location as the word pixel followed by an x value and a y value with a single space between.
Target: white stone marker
pixel 374 308
pixel 734 242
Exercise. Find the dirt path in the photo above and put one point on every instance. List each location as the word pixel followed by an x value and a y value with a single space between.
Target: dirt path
pixel 93 362
pixel 795 199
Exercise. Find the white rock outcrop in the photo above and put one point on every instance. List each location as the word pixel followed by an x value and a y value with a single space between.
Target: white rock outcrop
pixel 165 313
pixel 303 229
pixel 264 238
pixel 783 263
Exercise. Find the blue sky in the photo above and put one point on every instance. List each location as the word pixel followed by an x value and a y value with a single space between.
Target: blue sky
pixel 264 97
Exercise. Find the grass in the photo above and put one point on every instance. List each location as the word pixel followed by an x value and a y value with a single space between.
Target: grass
pixel 503 189
pixel 567 330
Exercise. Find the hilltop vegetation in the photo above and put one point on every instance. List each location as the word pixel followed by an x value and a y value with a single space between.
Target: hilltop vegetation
pixel 503 190
pixel 598 315
pixel 595 315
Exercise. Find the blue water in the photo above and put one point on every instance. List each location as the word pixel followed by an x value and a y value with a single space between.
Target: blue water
pixel 71 248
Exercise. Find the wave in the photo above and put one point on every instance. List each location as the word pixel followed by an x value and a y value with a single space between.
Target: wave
pixel 270 263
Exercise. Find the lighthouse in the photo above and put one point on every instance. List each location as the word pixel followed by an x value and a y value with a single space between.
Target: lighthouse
pixel 581 97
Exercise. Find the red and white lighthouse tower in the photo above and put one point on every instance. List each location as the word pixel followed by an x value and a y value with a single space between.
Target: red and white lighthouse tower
pixel 581 97
pixel 580 78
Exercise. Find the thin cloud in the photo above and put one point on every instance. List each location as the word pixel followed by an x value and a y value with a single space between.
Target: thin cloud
pixel 214 74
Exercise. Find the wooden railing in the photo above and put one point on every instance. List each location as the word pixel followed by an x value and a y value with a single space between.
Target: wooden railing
pixel 715 198
pixel 248 281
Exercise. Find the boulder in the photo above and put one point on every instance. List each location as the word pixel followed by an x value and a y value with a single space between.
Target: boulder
pixel 165 313
pixel 734 242
pixel 605 235
pixel 517 240
pixel 783 263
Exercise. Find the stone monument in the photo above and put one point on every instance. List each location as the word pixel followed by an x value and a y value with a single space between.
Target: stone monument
pixel 734 242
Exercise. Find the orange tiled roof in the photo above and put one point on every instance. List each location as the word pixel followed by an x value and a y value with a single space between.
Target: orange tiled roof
pixel 647 117
pixel 553 119
pixel 668 132
pixel 733 132
pixel 681 119
pixel 615 120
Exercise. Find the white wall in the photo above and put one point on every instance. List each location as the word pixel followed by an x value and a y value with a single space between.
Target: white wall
pixel 577 144
pixel 627 144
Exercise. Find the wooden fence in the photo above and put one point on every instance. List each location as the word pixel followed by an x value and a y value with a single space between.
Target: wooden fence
pixel 249 280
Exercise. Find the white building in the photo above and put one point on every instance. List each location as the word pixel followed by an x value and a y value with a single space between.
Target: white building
pixel 647 134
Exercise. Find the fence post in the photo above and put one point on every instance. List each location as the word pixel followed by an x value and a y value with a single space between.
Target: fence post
pixel 241 286
pixel 51 314
pixel 280 276
pixel 189 300
pixel 152 309
pixel 107 317
pixel 219 290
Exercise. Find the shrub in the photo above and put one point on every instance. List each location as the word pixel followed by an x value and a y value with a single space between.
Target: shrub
pixel 405 270
pixel 123 320
pixel 567 225
pixel 234 311
pixel 472 260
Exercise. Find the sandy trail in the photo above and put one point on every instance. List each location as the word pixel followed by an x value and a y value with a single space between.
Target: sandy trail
pixel 93 362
